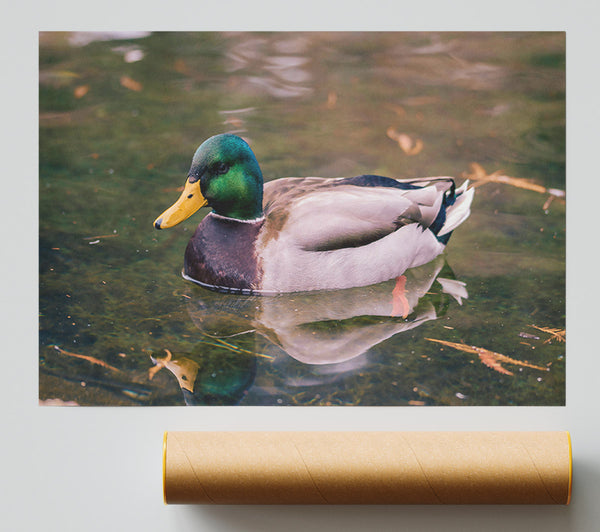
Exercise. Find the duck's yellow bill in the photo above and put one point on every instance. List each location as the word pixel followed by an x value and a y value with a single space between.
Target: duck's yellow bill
pixel 189 202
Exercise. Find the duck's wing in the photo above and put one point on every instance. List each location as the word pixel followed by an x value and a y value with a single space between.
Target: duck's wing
pixel 328 214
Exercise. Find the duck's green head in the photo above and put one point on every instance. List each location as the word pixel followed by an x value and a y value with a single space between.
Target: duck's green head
pixel 224 175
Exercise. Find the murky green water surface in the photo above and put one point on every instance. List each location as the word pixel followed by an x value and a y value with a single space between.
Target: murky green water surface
pixel 120 119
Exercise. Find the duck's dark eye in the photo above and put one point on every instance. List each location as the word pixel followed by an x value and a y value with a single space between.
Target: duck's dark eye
pixel 221 168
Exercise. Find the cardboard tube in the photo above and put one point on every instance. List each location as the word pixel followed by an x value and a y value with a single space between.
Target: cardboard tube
pixel 367 467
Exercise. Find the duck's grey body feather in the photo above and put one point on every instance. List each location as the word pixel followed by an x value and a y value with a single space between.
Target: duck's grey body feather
pixel 326 234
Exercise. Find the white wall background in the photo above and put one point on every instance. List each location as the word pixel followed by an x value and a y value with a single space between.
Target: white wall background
pixel 99 469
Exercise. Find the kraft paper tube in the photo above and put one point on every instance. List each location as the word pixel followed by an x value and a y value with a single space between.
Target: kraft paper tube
pixel 367 467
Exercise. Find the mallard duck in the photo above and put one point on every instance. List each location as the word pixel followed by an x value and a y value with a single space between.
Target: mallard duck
pixel 307 233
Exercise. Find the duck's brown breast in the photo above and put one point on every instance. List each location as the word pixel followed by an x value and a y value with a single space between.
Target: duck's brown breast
pixel 222 253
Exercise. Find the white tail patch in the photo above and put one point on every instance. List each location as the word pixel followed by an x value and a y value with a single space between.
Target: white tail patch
pixel 459 212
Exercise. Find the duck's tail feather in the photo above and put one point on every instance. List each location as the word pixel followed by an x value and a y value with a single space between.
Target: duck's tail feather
pixel 456 212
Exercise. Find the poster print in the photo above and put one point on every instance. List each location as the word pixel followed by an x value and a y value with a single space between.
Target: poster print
pixel 468 310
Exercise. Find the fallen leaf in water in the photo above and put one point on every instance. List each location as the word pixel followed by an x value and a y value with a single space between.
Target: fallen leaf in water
pixel 489 358
pixel 409 146
pixel 555 334
pixel 406 143
pixel 548 203
pixel 159 363
pixel 81 90
pixel 131 84
pixel 331 99
pixel 184 369
pixel 91 359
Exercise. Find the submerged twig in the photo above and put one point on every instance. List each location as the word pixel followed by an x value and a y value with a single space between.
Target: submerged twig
pixel 479 175
pixel 100 236
pixel 234 348
pixel 91 359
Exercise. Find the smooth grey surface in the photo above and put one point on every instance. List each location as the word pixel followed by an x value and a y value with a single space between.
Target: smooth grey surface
pixel 98 469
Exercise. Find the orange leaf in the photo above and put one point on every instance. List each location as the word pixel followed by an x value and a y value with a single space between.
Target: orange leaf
pixel 159 364
pixel 131 84
pixel 406 143
pixel 331 99
pixel 81 90
pixel 409 146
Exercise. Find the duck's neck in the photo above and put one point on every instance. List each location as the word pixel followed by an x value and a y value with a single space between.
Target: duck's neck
pixel 241 213
pixel 239 197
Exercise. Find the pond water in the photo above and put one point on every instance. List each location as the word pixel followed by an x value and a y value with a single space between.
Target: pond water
pixel 120 118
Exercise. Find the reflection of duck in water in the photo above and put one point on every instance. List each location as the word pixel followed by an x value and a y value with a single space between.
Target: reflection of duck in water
pixel 326 331
pixel 307 233
pixel 328 327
